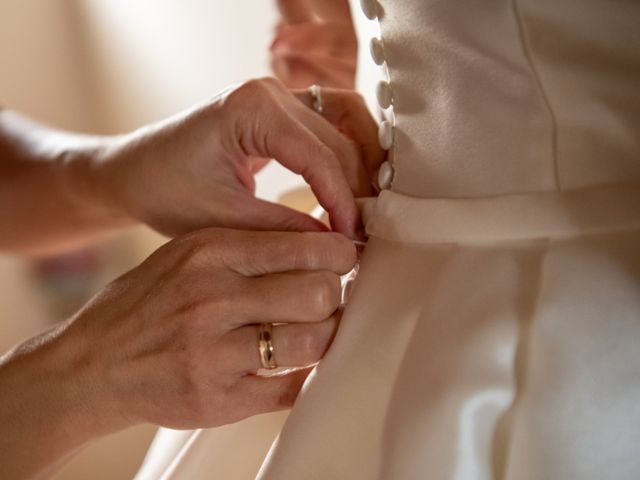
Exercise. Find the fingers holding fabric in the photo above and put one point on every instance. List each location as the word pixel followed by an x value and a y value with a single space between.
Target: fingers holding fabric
pixel 335 162
pixel 302 152
pixel 294 344
pixel 317 295
pixel 257 254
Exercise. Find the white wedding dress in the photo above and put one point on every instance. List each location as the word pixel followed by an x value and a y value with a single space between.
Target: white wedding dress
pixel 494 328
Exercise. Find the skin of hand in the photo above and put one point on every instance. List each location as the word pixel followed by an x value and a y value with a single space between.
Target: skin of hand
pixel 191 171
pixel 315 43
pixel 197 170
pixel 174 342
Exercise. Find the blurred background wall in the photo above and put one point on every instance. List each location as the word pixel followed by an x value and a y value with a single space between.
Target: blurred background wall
pixel 109 66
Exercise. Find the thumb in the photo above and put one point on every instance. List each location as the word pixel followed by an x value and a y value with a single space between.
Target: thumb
pixel 260 214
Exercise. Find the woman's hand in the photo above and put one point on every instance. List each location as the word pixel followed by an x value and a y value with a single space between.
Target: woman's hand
pixel 197 169
pixel 175 342
pixel 315 43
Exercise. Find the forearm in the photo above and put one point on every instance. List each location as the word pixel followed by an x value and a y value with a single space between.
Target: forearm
pixel 48 409
pixel 43 205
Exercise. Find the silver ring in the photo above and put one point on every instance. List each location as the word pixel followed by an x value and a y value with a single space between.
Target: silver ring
pixel 316 99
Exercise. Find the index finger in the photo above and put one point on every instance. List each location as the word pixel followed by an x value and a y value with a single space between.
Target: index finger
pixel 260 253
pixel 299 150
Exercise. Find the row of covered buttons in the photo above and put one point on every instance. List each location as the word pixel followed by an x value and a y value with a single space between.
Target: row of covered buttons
pixel 373 10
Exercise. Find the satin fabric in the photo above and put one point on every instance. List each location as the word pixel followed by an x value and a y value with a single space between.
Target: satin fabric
pixel 512 354
pixel 494 328
pixel 511 96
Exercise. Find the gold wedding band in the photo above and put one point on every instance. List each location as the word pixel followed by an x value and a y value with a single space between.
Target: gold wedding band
pixel 316 99
pixel 265 345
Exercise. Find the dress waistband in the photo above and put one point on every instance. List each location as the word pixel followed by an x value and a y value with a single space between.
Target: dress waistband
pixel 544 215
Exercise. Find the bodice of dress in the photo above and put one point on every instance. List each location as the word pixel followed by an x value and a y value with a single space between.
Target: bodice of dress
pixel 485 98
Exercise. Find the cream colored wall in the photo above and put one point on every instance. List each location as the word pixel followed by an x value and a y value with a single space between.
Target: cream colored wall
pixel 109 66
pixel 40 71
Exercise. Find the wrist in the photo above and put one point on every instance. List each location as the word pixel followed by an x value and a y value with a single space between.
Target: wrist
pixel 85 171
pixel 50 407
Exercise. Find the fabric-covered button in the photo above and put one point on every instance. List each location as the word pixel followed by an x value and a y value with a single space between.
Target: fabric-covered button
pixel 377 51
pixel 384 94
pixel 385 175
pixel 371 8
pixel 386 134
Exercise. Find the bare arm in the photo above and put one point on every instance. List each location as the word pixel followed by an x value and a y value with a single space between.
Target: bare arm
pixel 163 344
pixel 191 171
pixel 41 208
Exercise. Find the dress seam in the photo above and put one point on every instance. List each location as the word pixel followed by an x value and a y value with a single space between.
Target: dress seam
pixel 526 47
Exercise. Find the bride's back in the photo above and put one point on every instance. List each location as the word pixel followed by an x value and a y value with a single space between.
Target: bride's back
pixel 502 96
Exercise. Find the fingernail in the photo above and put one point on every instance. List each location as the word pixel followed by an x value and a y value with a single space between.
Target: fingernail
pixel 359 246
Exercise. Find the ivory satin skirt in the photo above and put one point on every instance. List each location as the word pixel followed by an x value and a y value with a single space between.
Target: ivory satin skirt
pixel 494 338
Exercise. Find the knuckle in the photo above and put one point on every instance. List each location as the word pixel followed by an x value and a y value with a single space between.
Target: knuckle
pixel 200 252
pixel 255 88
pixel 190 239
pixel 197 247
pixel 255 85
